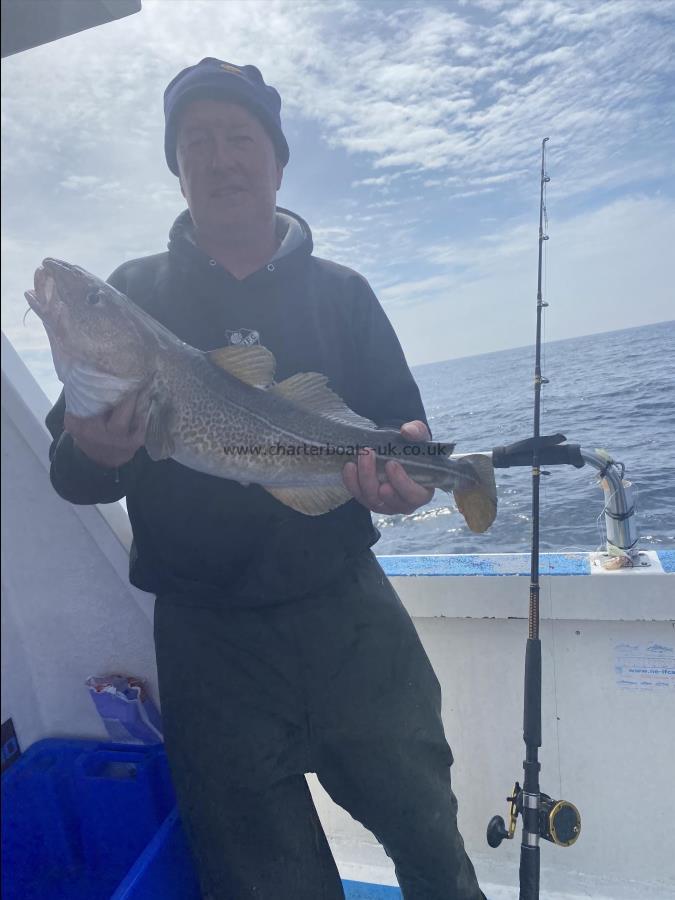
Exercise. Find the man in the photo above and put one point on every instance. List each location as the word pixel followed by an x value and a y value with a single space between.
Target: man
pixel 281 647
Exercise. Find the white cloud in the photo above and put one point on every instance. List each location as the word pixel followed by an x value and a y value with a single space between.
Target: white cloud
pixel 439 109
pixel 396 87
pixel 75 182
pixel 605 269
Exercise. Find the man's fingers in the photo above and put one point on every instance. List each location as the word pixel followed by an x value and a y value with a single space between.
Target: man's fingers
pixel 415 431
pixel 391 503
pixel 350 477
pixel 368 480
pixel 353 481
pixel 121 417
pixel 90 427
pixel 407 490
pixel 71 423
pixel 398 495
pixel 122 427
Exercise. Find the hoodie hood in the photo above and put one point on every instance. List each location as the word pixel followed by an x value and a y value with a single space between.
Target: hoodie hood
pixel 293 233
pixel 290 233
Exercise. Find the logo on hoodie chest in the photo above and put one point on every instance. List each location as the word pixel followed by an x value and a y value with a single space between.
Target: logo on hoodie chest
pixel 243 337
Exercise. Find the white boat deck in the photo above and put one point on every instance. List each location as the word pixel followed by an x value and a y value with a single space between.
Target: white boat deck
pixel 609 674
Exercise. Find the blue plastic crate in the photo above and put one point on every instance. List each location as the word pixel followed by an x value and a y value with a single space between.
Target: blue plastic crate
pixel 165 872
pixel 77 814
pixel 82 820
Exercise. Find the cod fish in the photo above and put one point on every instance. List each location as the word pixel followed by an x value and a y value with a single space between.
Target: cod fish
pixel 222 413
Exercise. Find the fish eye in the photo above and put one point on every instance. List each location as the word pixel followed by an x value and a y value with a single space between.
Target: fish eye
pixel 93 297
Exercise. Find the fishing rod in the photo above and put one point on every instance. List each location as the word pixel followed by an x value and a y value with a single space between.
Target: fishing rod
pixel 554 820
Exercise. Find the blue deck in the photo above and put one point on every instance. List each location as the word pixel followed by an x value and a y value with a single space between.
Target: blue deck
pixel 358 890
pixel 491 564
pixel 485 564
pixel 667 558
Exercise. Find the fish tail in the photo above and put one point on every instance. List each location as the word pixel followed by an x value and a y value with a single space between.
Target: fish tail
pixel 476 493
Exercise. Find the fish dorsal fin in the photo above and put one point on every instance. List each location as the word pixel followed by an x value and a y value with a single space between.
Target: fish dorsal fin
pixel 309 500
pixel 254 365
pixel 309 390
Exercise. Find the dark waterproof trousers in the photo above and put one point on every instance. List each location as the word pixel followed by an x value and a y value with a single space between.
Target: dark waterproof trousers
pixel 338 684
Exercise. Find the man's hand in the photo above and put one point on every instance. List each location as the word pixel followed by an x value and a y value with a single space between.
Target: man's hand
pixel 112 438
pixel 399 494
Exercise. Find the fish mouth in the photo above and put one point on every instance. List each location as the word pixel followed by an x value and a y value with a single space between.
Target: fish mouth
pixel 33 301
pixel 44 294
pixel 45 301
pixel 44 298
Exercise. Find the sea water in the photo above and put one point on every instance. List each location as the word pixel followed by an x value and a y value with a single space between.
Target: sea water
pixel 614 391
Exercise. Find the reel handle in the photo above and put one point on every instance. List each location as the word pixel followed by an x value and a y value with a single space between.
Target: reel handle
pixel 496 831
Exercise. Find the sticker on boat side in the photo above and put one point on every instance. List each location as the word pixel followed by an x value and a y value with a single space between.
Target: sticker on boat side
pixel 644 667
pixel 10 746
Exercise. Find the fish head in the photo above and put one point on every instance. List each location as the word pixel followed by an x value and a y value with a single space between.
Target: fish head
pixel 90 323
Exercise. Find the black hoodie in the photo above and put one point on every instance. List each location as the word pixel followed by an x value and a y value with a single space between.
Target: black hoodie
pixel 214 539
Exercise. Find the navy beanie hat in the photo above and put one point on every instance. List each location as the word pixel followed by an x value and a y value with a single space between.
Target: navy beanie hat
pixel 218 80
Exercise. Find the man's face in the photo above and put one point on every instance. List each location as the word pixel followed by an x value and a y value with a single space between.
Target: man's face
pixel 229 173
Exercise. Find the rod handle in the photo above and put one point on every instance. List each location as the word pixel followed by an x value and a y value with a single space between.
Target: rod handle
pixel 529 873
pixel 552 452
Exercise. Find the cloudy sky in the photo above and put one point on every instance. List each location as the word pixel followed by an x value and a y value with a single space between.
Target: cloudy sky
pixel 415 131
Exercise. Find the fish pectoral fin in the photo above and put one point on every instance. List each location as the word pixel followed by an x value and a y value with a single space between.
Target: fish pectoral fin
pixel 158 440
pixel 310 501
pixel 478 502
pixel 309 390
pixel 254 365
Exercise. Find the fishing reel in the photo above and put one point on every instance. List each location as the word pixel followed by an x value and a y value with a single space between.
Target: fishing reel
pixel 559 820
